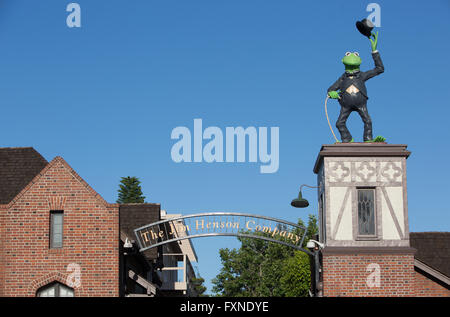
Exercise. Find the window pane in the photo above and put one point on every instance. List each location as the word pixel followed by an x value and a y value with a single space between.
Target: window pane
pixel 65 291
pixel 57 219
pixel 366 212
pixel 55 290
pixel 56 228
pixel 48 291
pixel 57 241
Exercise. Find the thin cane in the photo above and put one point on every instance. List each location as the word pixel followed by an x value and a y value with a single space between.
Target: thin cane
pixel 326 113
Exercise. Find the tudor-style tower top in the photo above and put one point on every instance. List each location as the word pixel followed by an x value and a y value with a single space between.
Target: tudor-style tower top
pixel 362 195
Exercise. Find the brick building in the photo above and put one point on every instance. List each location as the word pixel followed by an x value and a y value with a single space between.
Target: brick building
pixel 37 195
pixel 59 237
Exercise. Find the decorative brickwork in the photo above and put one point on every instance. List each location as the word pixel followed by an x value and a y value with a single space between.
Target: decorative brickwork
pixel 90 236
pixel 50 278
pixel 56 202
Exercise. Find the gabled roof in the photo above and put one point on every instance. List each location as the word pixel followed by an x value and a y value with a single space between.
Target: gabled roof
pixel 433 249
pixel 18 166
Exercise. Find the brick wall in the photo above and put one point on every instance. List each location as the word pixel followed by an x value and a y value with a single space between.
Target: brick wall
pixel 91 233
pixel 2 238
pixel 354 275
pixel 427 286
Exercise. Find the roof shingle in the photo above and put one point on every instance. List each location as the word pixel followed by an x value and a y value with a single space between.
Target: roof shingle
pixel 18 166
pixel 433 249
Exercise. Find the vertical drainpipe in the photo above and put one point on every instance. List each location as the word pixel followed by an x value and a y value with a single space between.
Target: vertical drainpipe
pixel 316 273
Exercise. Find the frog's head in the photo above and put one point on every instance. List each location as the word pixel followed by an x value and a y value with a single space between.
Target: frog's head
pixel 352 60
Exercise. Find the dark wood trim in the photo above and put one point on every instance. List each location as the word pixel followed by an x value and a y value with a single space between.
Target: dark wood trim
pixel 367 250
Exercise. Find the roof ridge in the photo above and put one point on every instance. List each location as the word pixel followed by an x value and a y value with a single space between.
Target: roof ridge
pixel 82 181
pixel 149 204
pixel 446 232
pixel 70 170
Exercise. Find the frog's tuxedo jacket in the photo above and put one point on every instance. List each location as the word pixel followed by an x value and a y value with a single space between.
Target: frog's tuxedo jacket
pixel 358 78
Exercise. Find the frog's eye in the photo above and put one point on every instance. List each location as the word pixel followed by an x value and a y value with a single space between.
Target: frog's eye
pixel 348 54
pixel 356 53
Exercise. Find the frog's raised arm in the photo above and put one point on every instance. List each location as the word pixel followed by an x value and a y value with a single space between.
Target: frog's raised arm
pixel 374 42
pixel 379 67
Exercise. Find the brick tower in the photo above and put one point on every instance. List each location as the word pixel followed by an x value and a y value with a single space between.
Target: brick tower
pixel 363 220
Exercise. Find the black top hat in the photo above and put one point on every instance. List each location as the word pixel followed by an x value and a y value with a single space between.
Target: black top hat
pixel 365 27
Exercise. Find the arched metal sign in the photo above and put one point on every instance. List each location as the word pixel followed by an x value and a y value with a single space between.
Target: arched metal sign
pixel 221 224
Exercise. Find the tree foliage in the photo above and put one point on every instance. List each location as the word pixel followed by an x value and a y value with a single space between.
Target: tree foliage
pixel 130 191
pixel 297 278
pixel 261 268
pixel 200 289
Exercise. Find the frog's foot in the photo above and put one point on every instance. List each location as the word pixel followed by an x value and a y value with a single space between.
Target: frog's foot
pixel 348 141
pixel 377 139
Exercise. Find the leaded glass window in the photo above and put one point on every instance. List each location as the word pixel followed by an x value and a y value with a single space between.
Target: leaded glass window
pixel 366 212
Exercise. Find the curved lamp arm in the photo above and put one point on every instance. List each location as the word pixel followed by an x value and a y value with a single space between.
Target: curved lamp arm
pixel 308 186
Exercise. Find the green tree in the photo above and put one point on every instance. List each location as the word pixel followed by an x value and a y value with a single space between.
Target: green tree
pixel 260 268
pixel 312 229
pixel 296 279
pixel 130 191
pixel 253 270
pixel 200 289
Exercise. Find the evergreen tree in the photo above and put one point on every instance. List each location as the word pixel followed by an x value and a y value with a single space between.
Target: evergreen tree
pixel 130 191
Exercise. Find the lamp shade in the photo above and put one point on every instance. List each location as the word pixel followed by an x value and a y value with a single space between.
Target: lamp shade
pixel 299 202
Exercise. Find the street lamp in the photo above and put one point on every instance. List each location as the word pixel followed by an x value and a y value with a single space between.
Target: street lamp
pixel 314 245
pixel 301 202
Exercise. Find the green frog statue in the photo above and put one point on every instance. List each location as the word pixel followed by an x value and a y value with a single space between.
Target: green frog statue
pixel 351 92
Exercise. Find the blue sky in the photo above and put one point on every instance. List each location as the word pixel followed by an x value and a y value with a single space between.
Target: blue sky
pixel 106 96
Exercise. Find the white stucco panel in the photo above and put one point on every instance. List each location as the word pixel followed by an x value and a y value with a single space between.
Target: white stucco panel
pixel 395 197
pixel 345 229
pixel 337 195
